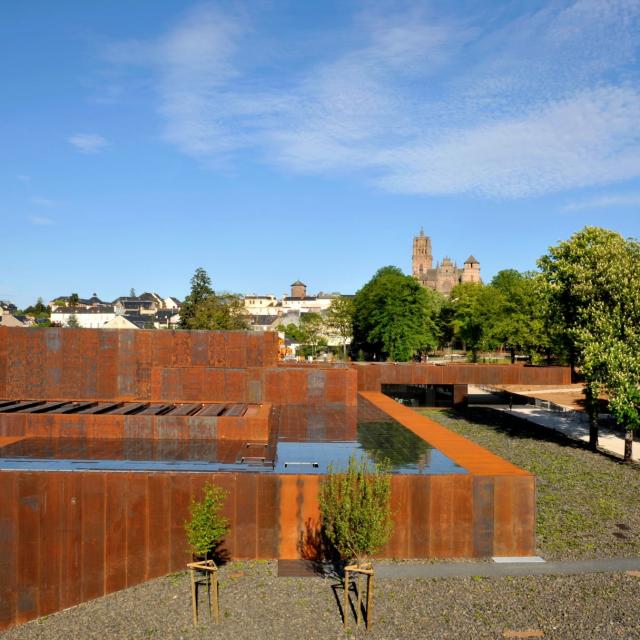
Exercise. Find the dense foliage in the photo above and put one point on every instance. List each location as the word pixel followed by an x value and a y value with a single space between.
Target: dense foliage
pixel 204 309
pixel 355 509
pixel 394 317
pixel 308 333
pixel 509 313
pixel 206 527
pixel 594 288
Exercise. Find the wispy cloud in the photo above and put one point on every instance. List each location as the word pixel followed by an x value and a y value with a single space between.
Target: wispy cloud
pixel 88 142
pixel 41 221
pixel 24 178
pixel 418 102
pixel 604 202
pixel 42 202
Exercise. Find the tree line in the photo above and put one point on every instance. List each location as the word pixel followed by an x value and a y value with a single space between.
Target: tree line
pixel 580 307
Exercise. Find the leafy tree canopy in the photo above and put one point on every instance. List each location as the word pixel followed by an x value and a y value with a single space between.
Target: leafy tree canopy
pixel 204 309
pixel 394 316
pixel 206 527
pixel 339 320
pixel 593 284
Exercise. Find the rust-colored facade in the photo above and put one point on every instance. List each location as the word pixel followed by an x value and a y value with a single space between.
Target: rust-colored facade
pixel 371 377
pixel 66 537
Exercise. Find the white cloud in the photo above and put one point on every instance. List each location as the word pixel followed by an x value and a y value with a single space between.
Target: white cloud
pixel 88 142
pixel 42 202
pixel 41 221
pixel 604 202
pixel 24 178
pixel 416 102
pixel 589 139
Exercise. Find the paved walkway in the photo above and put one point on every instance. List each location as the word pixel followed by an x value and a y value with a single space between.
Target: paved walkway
pixel 496 570
pixel 574 424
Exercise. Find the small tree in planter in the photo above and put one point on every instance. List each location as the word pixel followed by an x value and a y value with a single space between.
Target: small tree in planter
pixel 205 530
pixel 355 509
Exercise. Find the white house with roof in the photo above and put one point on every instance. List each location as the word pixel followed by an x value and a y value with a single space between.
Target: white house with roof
pixel 93 318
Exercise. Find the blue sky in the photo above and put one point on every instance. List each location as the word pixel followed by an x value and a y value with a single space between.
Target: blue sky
pixel 269 141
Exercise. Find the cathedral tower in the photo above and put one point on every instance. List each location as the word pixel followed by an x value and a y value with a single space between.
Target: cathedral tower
pixel 422 259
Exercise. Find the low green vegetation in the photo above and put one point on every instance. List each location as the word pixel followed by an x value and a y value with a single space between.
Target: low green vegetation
pixel 207 527
pixel 587 503
pixel 355 509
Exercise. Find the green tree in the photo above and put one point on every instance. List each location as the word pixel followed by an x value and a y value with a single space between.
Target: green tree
pixel 206 527
pixel 203 309
pixel 73 300
pixel 308 333
pixel 72 322
pixel 394 317
pixel 518 322
pixel 339 321
pixel 201 291
pixel 312 326
pixel 593 281
pixel 223 312
pixel 38 310
pixel 474 308
pixel 294 332
pixel 355 508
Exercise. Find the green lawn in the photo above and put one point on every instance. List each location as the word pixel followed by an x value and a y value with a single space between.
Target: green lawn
pixel 588 504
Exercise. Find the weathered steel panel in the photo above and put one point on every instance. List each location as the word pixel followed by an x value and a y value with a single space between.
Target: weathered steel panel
pixel 267 520
pixel 246 530
pixel 136 521
pixel 158 550
pixel 419 501
pixel 30 497
pixel 482 517
pixel 4 336
pixel 115 573
pixel 92 536
pixel 51 535
pixel 71 573
pixel 9 537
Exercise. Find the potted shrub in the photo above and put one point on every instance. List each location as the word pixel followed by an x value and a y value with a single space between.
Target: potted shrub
pixel 205 530
pixel 355 511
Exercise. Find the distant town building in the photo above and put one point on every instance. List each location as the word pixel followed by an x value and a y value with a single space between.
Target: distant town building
pixel 266 305
pixel 8 319
pixel 93 318
pixel 120 322
pixel 446 274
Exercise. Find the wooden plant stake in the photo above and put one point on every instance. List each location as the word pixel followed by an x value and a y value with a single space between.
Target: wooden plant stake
pixel 209 568
pixel 363 569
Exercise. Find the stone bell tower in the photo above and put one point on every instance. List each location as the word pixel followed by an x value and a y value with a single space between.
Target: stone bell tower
pixel 422 259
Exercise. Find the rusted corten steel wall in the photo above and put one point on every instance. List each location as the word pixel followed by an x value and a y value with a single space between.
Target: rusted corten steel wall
pixel 100 364
pixel 277 385
pixel 372 376
pixel 253 425
pixel 70 537
pixel 435 516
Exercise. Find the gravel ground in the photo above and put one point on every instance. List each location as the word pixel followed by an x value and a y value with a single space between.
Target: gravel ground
pixel 587 503
pixel 257 604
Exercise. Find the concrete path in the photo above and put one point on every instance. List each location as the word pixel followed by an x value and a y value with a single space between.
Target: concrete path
pixel 574 424
pixel 495 570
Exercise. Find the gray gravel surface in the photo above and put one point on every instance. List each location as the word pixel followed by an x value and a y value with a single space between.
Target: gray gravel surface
pixel 257 604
